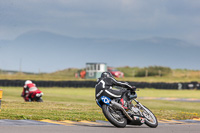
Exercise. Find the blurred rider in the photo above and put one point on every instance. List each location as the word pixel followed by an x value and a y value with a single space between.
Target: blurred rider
pixel 28 90
pixel 105 84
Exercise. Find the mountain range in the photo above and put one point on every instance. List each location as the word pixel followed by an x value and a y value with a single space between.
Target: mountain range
pixel 47 52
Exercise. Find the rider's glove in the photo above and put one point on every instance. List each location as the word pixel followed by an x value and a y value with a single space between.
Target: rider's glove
pixel 133 89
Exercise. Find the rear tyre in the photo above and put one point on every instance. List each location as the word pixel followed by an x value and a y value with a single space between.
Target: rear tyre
pixel 114 116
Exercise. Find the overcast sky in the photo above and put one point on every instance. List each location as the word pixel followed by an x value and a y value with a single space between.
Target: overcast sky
pixel 114 19
pixel 125 19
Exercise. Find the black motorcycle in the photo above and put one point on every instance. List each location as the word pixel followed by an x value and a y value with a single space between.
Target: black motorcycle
pixel 133 114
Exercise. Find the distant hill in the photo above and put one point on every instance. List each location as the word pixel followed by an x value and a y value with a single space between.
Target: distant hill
pixel 10 72
pixel 49 52
pixel 70 72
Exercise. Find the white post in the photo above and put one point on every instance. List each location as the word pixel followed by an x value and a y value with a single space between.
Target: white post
pixel 146 73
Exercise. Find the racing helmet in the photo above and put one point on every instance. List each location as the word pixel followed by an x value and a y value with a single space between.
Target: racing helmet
pixel 28 82
pixel 106 75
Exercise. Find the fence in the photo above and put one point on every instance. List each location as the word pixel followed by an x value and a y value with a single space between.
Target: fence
pixel 76 84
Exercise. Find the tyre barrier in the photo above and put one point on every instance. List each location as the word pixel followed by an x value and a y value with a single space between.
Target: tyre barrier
pixel 78 84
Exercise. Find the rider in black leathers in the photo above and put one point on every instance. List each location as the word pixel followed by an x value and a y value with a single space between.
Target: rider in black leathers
pixel 105 84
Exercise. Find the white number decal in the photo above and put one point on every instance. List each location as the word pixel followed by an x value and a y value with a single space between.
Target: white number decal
pixel 105 100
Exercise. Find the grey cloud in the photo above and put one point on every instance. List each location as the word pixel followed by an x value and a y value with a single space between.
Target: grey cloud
pixel 113 18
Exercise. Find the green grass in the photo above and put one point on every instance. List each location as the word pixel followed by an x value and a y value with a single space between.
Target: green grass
pixel 166 79
pixel 79 104
pixel 54 77
pixel 176 75
pixel 169 93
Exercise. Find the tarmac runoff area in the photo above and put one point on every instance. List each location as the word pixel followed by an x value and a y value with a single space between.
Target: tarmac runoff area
pixel 50 126
pixel 88 127
pixel 86 123
pixel 172 99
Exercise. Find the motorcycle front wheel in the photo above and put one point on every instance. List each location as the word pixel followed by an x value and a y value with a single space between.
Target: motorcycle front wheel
pixel 150 118
pixel 38 99
pixel 115 117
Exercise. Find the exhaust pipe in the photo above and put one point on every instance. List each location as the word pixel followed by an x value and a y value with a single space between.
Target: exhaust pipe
pixel 119 106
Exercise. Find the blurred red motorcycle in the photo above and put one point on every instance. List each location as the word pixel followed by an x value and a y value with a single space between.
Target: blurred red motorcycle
pixel 31 92
pixel 34 96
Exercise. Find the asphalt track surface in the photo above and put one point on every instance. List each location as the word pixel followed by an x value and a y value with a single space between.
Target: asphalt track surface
pixel 49 126
pixel 100 129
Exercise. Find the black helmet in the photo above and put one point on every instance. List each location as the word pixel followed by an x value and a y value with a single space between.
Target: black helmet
pixel 106 75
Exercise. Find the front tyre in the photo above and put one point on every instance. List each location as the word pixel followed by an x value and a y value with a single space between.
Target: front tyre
pixel 113 116
pixel 151 119
pixel 39 99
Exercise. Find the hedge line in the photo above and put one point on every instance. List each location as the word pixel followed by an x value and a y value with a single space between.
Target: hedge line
pixel 76 84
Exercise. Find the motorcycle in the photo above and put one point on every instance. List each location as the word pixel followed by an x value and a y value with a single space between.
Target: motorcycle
pixel 34 96
pixel 133 114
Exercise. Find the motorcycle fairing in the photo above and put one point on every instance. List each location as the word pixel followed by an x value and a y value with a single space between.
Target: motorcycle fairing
pixel 103 100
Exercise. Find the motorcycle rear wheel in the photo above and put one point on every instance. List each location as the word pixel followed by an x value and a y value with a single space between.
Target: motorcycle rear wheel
pixel 114 117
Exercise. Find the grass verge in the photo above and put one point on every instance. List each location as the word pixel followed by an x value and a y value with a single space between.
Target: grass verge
pixel 79 104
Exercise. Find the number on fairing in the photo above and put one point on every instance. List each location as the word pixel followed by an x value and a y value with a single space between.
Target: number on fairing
pixel 106 100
